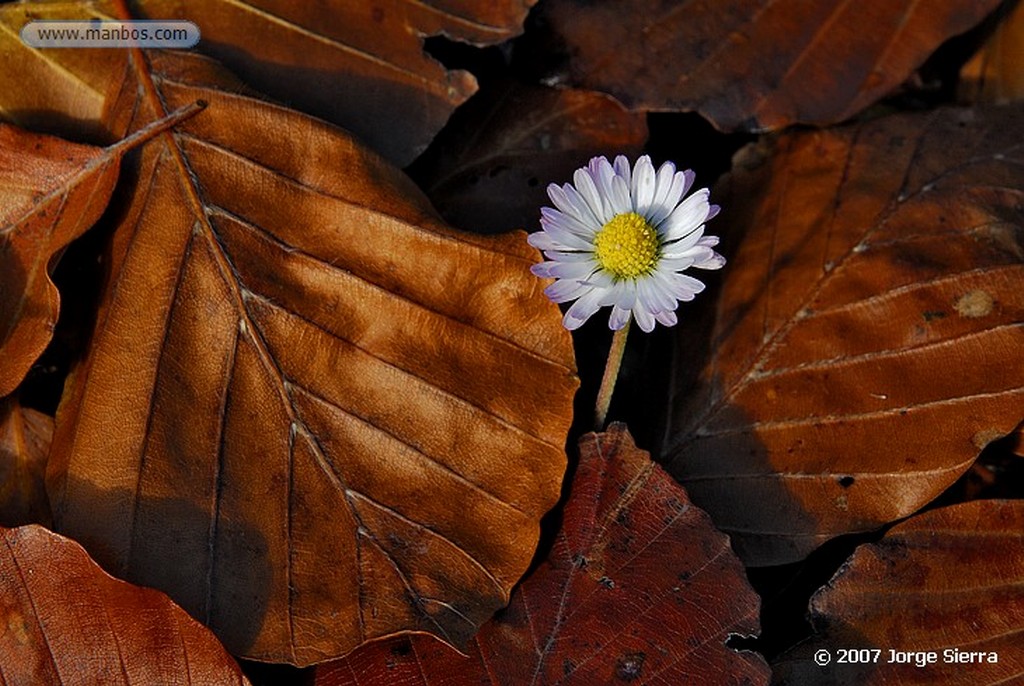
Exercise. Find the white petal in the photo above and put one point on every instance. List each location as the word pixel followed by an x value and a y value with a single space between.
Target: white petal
pixel 667 318
pixel 562 256
pixel 716 261
pixel 542 269
pixel 582 310
pixel 563 239
pixel 662 185
pixel 618 318
pixel 550 217
pixel 675 264
pixel 713 210
pixel 565 290
pixel 681 247
pixel 619 197
pixel 572 270
pixel 644 318
pixel 588 189
pixel 684 287
pixel 708 241
pixel 602 173
pixel 685 218
pixel 622 169
pixel 644 182
pixel 674 194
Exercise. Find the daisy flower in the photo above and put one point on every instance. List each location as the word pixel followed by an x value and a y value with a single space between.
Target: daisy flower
pixel 623 237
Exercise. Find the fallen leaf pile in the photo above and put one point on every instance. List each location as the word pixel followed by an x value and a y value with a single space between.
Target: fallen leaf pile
pixel 275 410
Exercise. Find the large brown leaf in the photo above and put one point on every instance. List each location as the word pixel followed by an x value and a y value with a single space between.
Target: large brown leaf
pixel 67 623
pixel 358 64
pixel 946 580
pixel 489 169
pixel 869 332
pixel 296 370
pixel 638 587
pixel 25 436
pixel 51 191
pixel 754 64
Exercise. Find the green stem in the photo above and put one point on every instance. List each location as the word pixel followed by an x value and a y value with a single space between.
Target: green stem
pixel 611 373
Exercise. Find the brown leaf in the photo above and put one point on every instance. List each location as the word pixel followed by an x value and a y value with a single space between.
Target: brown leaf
pixel 754 64
pixel 67 622
pixel 868 335
pixel 358 64
pixel 489 169
pixel 946 580
pixel 638 587
pixel 51 191
pixel 303 369
pixel 994 74
pixel 25 436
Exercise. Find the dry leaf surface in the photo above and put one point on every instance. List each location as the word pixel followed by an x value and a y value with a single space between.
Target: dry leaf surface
pixel 358 64
pixel 638 588
pixel 51 191
pixel 868 336
pixel 68 623
pixel 25 436
pixel 754 64
pixel 490 168
pixel 947 580
pixel 303 368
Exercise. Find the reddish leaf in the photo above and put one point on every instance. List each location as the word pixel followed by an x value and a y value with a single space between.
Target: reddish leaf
pixel 24 444
pixel 754 64
pixel 489 169
pixel 868 336
pixel 994 74
pixel 303 368
pixel 358 64
pixel 66 622
pixel 638 587
pixel 946 580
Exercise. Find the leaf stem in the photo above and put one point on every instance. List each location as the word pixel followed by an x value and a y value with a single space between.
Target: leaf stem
pixel 611 373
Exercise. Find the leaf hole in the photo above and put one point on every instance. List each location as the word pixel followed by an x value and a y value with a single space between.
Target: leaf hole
pixel 846 481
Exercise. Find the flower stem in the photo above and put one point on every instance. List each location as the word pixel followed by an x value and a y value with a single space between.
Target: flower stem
pixel 611 373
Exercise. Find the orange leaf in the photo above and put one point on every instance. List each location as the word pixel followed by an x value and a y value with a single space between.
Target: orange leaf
pixel 754 64
pixel 67 623
pixel 946 583
pixel 303 369
pixel 868 335
pixel 51 192
pixel 24 444
pixel 638 586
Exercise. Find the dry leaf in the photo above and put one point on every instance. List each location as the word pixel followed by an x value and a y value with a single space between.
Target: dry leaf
pixel 638 587
pixel 946 582
pixel 51 192
pixel 868 335
pixel 67 623
pixel 489 169
pixel 25 436
pixel 994 75
pixel 754 64
pixel 358 64
pixel 304 369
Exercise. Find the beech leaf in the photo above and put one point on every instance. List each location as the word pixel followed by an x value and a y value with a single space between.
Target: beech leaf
pixel 868 334
pixel 490 168
pixel 303 368
pixel 754 64
pixel 638 587
pixel 68 623
pixel 945 582
pixel 25 436
pixel 361 65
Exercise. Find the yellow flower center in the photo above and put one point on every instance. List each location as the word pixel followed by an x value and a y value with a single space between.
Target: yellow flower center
pixel 627 246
